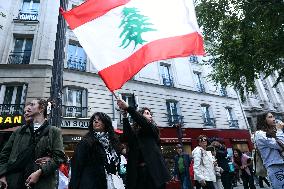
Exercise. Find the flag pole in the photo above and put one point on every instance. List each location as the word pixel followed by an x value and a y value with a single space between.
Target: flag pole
pixel 57 68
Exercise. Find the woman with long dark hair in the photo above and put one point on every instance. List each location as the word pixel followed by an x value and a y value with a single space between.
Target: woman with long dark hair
pixel 96 161
pixel 270 146
pixel 145 166
pixel 244 163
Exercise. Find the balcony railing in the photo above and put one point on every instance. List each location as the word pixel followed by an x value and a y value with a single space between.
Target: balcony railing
pixel 233 123
pixel 200 88
pixel 74 111
pixel 77 63
pixel 28 15
pixel 12 109
pixel 209 122
pixel 175 119
pixel 19 57
pixel 168 81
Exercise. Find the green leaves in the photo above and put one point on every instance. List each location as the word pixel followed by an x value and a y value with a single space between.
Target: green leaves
pixel 134 24
pixel 244 38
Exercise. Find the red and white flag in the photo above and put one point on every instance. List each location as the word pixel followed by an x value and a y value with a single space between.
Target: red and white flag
pixel 122 36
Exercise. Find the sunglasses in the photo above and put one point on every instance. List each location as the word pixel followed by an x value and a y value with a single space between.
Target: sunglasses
pixel 203 140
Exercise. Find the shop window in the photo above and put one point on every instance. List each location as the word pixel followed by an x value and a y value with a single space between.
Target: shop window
pixel 22 51
pixel 77 58
pixel 74 102
pixel 169 152
pixel 12 99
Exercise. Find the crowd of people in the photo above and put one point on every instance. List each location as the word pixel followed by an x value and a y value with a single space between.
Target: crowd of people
pixel 33 157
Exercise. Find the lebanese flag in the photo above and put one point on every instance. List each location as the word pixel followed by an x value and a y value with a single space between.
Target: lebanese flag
pixel 122 36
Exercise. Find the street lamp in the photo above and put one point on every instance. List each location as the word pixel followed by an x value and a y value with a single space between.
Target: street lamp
pixel 57 69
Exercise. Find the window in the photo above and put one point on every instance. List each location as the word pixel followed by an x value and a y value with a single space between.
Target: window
pixel 131 100
pixel 193 59
pixel 233 122
pixel 207 115
pixel 29 10
pixel 74 102
pixel 174 112
pixel 22 51
pixel 12 99
pixel 223 91
pixel 199 83
pixel 30 6
pixel 166 75
pixel 77 58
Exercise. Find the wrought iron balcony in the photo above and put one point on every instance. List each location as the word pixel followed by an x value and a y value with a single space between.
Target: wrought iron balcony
pixel 19 57
pixel 28 15
pixel 76 63
pixel 12 109
pixel 200 88
pixel 74 111
pixel 175 119
pixel 209 122
pixel 223 91
pixel 233 123
pixel 168 81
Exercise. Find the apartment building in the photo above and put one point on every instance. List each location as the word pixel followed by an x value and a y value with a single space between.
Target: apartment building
pixel 178 91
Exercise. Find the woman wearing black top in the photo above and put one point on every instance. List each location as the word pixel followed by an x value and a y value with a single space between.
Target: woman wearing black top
pixel 145 166
pixel 95 163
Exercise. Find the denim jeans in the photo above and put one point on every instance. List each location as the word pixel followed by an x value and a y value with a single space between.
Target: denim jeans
pixel 185 182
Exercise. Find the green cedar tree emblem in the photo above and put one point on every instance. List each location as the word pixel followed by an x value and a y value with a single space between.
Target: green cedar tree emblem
pixel 134 24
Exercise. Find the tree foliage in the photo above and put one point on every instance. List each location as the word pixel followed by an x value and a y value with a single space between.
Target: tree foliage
pixel 243 38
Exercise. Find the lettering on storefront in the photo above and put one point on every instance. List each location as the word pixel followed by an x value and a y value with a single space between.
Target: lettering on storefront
pixel 71 138
pixel 239 140
pixel 11 121
pixel 75 123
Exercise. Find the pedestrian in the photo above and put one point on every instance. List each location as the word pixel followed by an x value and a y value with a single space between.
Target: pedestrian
pixel 269 144
pixel 181 170
pixel 96 160
pixel 22 162
pixel 223 162
pixel 218 170
pixel 146 166
pixel 204 171
pixel 244 163
pixel 260 181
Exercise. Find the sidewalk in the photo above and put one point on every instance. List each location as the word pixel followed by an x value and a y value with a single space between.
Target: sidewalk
pixel 240 186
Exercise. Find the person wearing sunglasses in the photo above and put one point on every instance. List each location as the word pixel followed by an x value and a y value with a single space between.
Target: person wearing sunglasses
pixel 204 172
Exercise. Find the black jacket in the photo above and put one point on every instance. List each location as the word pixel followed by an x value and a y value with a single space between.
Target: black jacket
pixel 145 143
pixel 87 165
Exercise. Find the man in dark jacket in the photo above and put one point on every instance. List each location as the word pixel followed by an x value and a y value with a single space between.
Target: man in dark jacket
pixel 145 166
pixel 181 171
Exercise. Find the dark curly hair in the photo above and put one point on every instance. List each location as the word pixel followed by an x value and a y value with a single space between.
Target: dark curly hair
pixel 42 104
pixel 106 120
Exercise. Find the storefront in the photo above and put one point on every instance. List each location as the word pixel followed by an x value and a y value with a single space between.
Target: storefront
pixel 8 124
pixel 232 138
